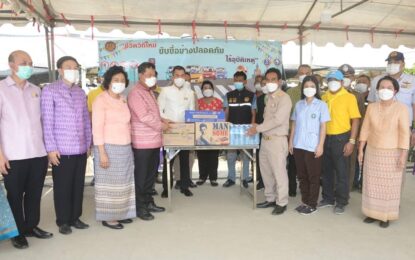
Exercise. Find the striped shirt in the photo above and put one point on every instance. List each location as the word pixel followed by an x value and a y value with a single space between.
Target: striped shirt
pixel 146 125
pixel 66 122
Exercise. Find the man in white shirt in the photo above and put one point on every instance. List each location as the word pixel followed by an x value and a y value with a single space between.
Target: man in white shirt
pixel 173 101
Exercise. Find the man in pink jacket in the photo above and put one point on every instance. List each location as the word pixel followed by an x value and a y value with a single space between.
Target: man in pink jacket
pixel 146 135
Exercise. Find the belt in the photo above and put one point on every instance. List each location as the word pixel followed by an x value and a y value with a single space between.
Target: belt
pixel 270 137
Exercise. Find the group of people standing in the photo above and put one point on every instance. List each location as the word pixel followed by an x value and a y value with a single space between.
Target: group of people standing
pixel 319 135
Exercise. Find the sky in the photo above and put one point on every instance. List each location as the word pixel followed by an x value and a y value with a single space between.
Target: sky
pixel 79 44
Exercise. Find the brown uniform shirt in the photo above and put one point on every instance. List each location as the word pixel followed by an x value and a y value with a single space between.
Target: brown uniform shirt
pixel 276 115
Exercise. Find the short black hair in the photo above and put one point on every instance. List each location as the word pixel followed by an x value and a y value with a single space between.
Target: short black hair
pixel 178 68
pixel 315 81
pixel 145 65
pixel 240 74
pixel 395 83
pixel 187 73
pixel 60 62
pixel 207 82
pixel 202 125
pixel 273 70
pixel 111 72
pixel 364 76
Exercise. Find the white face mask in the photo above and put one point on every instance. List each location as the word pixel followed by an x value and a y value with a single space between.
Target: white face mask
pixel 361 87
pixel 385 94
pixel 117 87
pixel 393 69
pixel 334 86
pixel 271 87
pixel 151 82
pixel 310 92
pixel 71 75
pixel 265 90
pixel 347 82
pixel 179 82
pixel 258 87
pixel 301 78
pixel 208 92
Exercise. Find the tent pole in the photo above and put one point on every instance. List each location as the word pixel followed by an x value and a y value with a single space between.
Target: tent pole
pixel 48 52
pixel 52 47
pixel 301 46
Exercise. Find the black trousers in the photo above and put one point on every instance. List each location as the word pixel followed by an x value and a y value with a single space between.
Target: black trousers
pixel 292 175
pixel 146 163
pixel 208 164
pixel 184 170
pixel 68 188
pixel 24 185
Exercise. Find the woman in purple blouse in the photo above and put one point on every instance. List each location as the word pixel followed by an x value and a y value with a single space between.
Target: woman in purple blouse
pixel 67 136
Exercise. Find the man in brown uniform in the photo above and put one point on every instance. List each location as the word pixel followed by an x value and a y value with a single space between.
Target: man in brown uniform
pixel 274 143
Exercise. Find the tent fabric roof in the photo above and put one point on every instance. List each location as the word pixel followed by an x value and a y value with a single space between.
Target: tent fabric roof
pixel 374 22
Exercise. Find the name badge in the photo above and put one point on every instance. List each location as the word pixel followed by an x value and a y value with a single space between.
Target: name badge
pixel 35 95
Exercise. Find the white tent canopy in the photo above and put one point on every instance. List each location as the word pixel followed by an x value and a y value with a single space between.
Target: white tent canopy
pixel 374 22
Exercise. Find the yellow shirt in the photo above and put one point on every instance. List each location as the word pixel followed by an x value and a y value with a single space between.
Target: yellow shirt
pixel 92 95
pixel 342 107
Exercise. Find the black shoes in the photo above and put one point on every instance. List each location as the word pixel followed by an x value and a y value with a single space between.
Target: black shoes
pixel 278 210
pixel 292 193
pixel 228 183
pixel 192 185
pixel 260 186
pixel 186 192
pixel 20 242
pixel 214 183
pixel 112 226
pixel 245 184
pixel 152 207
pixel 39 233
pixel 126 221
pixel 177 185
pixel 200 182
pixel 369 220
pixel 383 224
pixel 65 229
pixel 144 214
pixel 78 224
pixel 164 194
pixel 265 205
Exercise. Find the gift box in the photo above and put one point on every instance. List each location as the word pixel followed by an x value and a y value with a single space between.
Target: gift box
pixel 193 116
pixel 238 136
pixel 179 134
pixel 208 133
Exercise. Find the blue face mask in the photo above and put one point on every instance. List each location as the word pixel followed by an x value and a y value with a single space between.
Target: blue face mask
pixel 238 85
pixel 24 72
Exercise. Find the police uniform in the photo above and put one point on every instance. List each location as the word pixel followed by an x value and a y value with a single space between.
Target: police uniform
pixel 240 104
pixel 274 147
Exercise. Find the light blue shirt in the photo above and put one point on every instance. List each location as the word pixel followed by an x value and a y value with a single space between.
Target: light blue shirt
pixel 308 118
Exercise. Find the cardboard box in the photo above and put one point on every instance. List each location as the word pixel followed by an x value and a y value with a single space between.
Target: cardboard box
pixel 212 133
pixel 180 134
pixel 193 116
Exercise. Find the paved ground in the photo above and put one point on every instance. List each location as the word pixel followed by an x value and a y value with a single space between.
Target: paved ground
pixel 219 223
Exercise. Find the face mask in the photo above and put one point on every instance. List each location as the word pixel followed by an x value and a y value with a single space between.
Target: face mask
pixel 208 92
pixel 239 85
pixel 151 82
pixel 24 72
pixel 301 78
pixel 347 82
pixel 361 87
pixel 258 87
pixel 271 87
pixel 310 92
pixel 393 69
pixel 187 85
pixel 117 88
pixel 179 82
pixel 71 75
pixel 334 86
pixel 265 90
pixel 385 94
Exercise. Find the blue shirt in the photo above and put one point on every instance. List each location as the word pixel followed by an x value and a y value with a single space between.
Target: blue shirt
pixel 308 118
